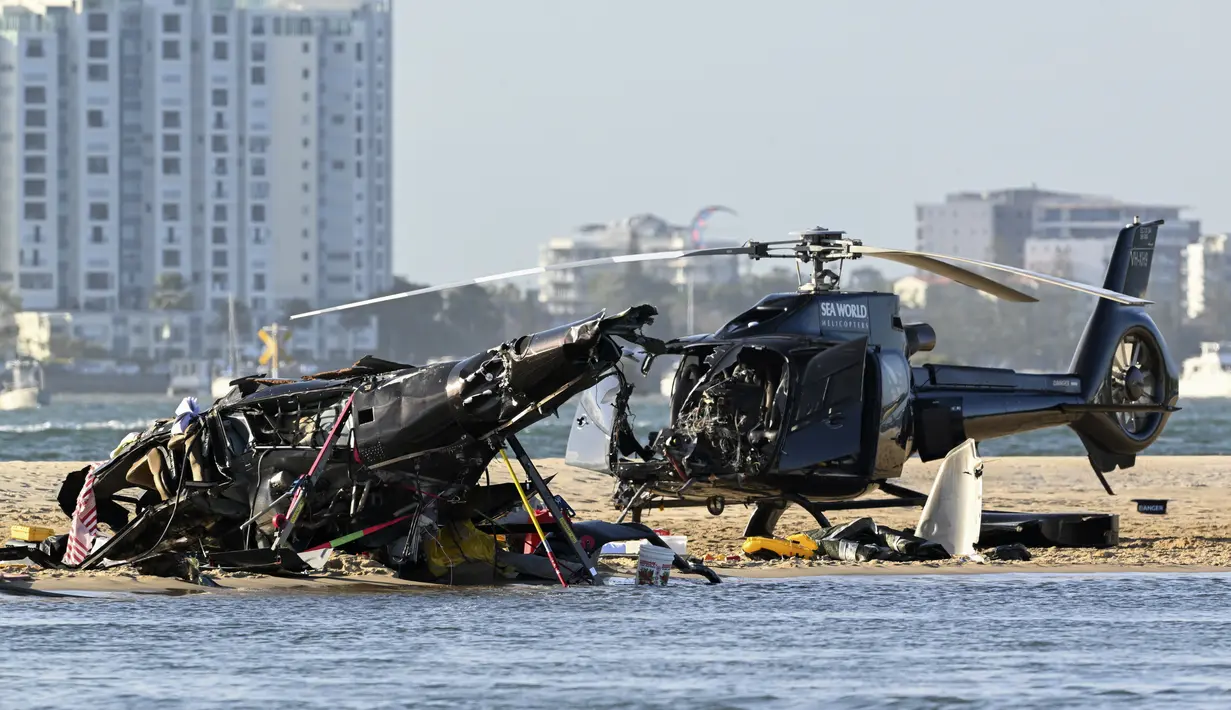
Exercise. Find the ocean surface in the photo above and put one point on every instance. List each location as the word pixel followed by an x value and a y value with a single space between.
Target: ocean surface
pixel 88 427
pixel 981 641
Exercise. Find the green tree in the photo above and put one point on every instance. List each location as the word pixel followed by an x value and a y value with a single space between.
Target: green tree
pixel 170 293
pixel 10 306
pixel 408 329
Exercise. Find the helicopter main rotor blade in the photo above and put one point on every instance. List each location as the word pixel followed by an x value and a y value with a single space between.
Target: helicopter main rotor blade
pixel 966 277
pixel 618 259
pixel 924 261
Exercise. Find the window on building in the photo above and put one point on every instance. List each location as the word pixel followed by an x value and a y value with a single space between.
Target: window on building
pixel 258 213
pixel 258 51
pixel 34 48
pixel 36 94
pixel 170 49
pixel 100 211
pixel 36 165
pixel 218 98
pixel 359 124
pixel 170 166
pixel 170 212
pixel 171 142
pixel 35 210
pixel 94 118
pixel 304 279
pixel 171 119
pixel 220 166
pixel 219 24
pixel 221 51
pixel 358 169
pixel 96 22
pixel 258 26
pixel 260 190
pixel 220 213
pixel 307 47
pixel 307 256
pixel 258 76
pixel 307 96
pixel 339 165
pixel 218 143
pixel 258 167
pixel 307 187
pixel 219 235
pixel 358 52
pixel 97 165
pixel 171 24
pixel 258 282
pixel 98 72
pixel 36 118
pixel 36 141
pixel 220 260
pixel 36 188
pixel 306 73
pixel 258 144
pixel 97 280
pixel 97 49
pixel 96 234
pixel 170 258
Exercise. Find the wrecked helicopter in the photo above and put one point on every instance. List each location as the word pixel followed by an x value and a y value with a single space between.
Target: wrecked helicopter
pixel 810 397
pixel 381 458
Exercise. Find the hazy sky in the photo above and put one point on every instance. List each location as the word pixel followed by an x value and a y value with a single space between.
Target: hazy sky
pixel 517 120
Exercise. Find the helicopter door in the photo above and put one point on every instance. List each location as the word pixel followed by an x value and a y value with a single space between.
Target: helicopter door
pixel 828 418
pixel 589 439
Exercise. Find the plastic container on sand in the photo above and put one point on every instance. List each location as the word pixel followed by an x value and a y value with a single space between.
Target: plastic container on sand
pixel 654 565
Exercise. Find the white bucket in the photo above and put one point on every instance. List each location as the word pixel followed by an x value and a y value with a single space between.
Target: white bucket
pixel 654 564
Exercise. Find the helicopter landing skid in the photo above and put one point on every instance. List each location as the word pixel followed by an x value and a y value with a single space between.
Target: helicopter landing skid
pixel 766 512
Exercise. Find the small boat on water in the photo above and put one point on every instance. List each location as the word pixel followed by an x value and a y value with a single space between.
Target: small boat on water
pixel 189 378
pixel 1209 374
pixel 23 386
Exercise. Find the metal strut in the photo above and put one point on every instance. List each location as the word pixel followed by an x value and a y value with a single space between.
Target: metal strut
pixel 550 501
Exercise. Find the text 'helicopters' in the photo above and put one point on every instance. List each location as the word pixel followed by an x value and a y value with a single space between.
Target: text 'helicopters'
pixel 810 397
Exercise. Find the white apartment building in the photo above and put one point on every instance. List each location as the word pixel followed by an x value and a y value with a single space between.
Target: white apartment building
pixel 564 292
pixel 213 147
pixel 1207 275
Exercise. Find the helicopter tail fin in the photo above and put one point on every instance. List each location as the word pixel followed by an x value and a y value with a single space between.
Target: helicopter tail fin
pixel 1128 376
pixel 1128 272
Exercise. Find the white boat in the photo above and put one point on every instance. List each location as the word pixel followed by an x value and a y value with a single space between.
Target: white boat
pixel 666 384
pixel 189 378
pixel 23 386
pixel 1207 374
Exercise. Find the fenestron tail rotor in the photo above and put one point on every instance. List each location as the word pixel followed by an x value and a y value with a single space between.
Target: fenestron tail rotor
pixel 818 246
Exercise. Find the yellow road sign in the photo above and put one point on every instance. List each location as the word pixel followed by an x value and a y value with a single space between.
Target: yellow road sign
pixel 274 341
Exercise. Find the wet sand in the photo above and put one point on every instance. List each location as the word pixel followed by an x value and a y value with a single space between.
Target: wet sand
pixel 1194 535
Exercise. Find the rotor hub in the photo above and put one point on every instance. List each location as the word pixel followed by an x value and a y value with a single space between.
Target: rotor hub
pixel 1134 383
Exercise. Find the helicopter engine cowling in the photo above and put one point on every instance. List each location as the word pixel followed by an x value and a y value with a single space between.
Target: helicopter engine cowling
pixel 920 338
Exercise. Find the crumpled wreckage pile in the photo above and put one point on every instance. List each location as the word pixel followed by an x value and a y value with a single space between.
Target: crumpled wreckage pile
pixel 382 459
pixel 862 540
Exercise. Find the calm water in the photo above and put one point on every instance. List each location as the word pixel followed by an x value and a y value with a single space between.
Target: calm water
pixel 87 427
pixel 1021 641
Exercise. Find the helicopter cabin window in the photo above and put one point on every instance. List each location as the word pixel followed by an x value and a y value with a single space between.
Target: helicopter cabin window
pixel 757 315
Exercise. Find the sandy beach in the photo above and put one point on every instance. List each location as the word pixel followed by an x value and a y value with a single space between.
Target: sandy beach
pixel 1194 535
